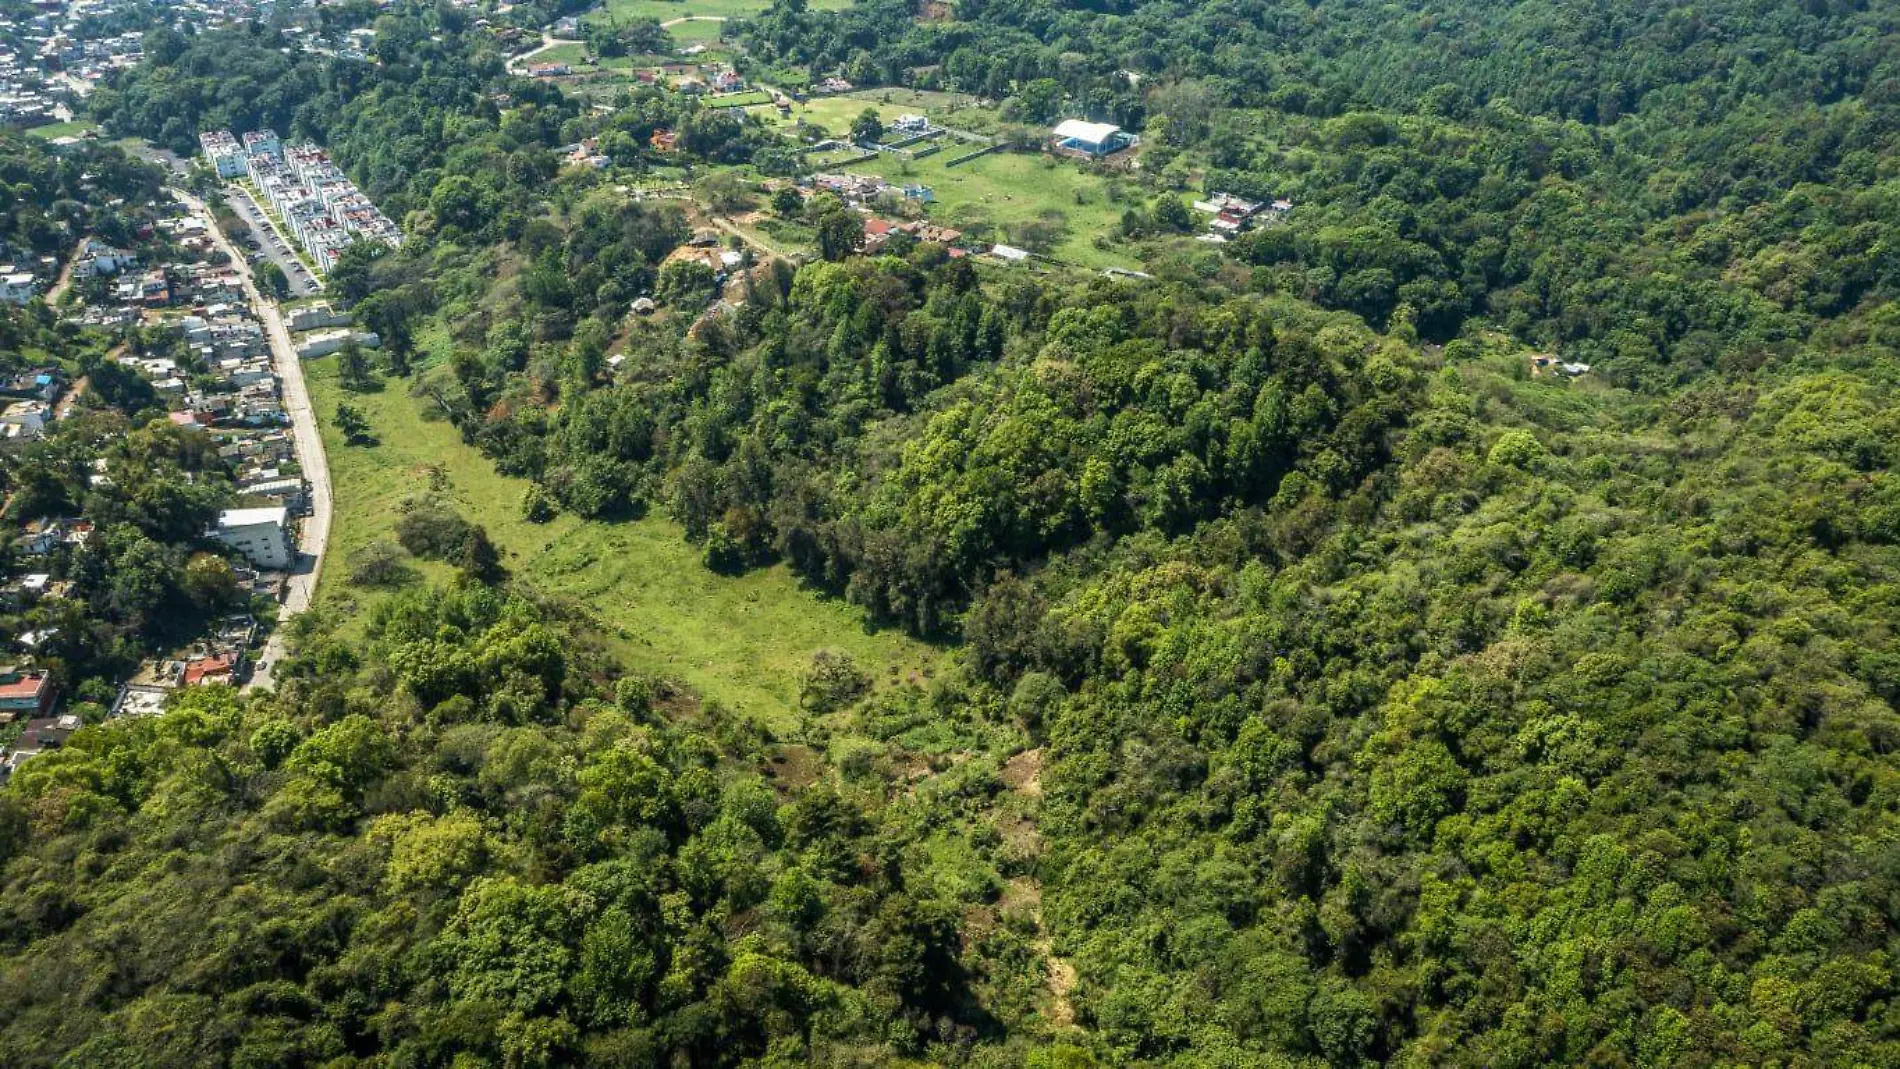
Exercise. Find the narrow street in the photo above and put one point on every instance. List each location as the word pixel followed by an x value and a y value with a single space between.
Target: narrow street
pixel 65 279
pixel 315 537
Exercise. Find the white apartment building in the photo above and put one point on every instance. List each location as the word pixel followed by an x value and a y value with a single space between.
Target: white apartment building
pixel 261 535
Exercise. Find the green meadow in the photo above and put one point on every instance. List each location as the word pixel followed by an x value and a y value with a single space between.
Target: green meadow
pixel 739 640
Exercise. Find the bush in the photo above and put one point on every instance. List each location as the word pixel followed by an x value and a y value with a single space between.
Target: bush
pixel 379 564
pixel 431 529
pixel 538 506
pixel 832 682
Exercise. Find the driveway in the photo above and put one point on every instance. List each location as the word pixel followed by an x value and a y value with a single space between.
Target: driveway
pixel 315 538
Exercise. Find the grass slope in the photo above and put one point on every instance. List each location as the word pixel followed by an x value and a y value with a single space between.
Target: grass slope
pixel 741 641
pixel 1007 188
pixel 668 10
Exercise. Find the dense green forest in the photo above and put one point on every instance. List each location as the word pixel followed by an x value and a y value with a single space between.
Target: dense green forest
pixel 1654 189
pixel 1331 685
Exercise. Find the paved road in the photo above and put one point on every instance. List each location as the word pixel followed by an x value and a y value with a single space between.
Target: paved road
pixel 315 539
pixel 273 244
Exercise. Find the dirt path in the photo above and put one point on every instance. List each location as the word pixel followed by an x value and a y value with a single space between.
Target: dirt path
pixel 1022 774
pixel 692 18
pixel 759 240
pixel 548 40
pixel 65 280
pixel 69 402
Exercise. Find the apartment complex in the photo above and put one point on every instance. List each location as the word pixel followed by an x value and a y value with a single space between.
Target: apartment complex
pixel 321 209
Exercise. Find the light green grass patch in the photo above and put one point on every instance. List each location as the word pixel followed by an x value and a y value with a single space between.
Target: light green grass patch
pixel 698 31
pixel 573 54
pixel 668 10
pixel 741 641
pixel 750 99
pixel 1004 189
pixel 75 128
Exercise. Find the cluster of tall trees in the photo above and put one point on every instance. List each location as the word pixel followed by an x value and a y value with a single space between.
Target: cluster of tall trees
pixel 455 844
pixel 47 201
pixel 1622 185
pixel 1334 683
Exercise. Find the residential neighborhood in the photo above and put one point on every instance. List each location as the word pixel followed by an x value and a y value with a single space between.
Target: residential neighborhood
pixel 190 334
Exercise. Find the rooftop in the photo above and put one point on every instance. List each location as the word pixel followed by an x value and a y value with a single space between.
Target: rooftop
pixel 247 517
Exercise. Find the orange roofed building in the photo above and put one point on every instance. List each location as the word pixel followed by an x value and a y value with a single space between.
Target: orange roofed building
pixel 26 691
pixel 219 668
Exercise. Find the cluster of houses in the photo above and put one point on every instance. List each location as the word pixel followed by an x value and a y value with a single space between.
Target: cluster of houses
pixel 55 60
pixel 59 50
pixel 1231 215
pixel 320 207
pixel 31 695
pixel 878 232
pixel 27 97
pixel 216 379
pixel 585 153
pixel 28 404
pixel 18 284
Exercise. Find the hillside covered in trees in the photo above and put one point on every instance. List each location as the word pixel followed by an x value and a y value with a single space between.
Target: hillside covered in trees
pixel 1329 683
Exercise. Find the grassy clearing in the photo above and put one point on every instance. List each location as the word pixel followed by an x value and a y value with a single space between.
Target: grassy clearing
pixel 741 641
pixel 698 31
pixel 75 128
pixel 835 114
pixel 573 54
pixel 749 99
pixel 998 193
pixel 668 10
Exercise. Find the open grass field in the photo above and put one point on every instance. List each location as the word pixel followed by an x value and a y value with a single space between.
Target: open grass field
pixel 62 129
pixel 698 31
pixel 574 54
pixel 668 10
pixel 1003 190
pixel 835 114
pixel 741 641
pixel 750 99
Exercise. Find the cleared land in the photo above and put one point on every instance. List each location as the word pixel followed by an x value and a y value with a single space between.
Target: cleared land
pixel 741 641
pixel 74 128
pixel 1003 191
pixel 668 10
pixel 573 54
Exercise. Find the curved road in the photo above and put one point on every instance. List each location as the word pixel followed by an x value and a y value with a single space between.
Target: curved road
pixel 548 40
pixel 315 538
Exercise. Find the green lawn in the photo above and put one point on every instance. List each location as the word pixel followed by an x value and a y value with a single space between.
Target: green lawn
pixel 62 129
pixel 668 10
pixel 1008 188
pixel 701 31
pixel 573 54
pixel 740 641
pixel 750 99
